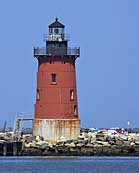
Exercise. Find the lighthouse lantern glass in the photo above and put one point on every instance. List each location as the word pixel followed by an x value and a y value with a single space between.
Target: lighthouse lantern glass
pixel 56 34
pixel 56 30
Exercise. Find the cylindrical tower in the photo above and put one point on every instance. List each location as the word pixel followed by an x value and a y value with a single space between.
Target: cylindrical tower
pixel 56 107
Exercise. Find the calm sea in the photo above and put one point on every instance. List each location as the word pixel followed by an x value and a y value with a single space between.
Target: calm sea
pixel 69 164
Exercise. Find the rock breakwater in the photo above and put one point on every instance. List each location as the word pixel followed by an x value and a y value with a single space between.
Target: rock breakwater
pixel 96 143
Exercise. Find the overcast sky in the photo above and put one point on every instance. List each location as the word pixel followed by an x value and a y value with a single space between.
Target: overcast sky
pixel 107 32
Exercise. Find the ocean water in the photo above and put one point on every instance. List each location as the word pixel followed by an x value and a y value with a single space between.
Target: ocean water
pixel 69 164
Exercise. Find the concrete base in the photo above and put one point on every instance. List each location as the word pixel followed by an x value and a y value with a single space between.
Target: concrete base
pixel 53 130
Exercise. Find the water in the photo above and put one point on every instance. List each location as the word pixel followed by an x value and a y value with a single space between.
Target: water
pixel 69 164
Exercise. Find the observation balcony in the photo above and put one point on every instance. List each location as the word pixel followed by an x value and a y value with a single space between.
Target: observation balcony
pixel 56 52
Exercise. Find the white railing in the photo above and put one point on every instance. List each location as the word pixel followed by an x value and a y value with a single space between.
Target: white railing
pixel 56 51
pixel 56 37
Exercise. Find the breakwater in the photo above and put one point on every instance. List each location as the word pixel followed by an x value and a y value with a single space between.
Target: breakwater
pixel 100 143
pixel 86 150
pixel 92 143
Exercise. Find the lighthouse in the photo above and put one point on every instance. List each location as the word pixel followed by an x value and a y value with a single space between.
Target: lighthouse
pixel 56 107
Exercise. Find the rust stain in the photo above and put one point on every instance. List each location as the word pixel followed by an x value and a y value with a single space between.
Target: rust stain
pixel 55 129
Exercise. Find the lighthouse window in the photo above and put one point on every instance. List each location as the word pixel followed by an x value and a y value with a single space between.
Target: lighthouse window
pixel 53 77
pixel 38 94
pixel 71 94
pixel 75 110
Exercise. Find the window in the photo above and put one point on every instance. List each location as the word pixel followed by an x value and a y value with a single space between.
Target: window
pixel 38 94
pixel 53 78
pixel 71 94
pixel 56 30
pixel 50 30
pixel 75 110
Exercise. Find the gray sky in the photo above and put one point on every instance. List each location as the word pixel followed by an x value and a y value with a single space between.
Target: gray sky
pixel 107 72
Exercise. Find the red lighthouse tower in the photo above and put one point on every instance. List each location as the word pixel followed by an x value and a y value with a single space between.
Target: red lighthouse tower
pixel 56 107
